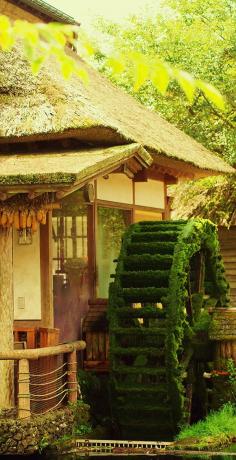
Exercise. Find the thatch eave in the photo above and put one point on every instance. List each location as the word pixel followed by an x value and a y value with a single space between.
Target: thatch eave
pixel 67 169
pixel 212 198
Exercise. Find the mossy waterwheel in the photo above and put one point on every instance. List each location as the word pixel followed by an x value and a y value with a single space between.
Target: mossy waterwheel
pixel 167 274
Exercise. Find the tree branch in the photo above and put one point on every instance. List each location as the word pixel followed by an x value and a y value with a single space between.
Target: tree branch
pixel 219 115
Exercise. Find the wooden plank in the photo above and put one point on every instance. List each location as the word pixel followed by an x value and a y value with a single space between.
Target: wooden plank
pixel 101 345
pixel 107 346
pixel 89 349
pixel 95 345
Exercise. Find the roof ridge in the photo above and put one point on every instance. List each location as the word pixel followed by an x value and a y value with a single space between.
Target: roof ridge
pixel 50 11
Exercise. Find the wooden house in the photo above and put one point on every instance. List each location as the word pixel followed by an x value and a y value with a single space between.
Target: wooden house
pixel 77 165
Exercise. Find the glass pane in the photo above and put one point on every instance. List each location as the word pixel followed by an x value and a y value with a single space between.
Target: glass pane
pixel 112 223
pixel 69 248
pixel 79 220
pixel 142 214
pixel 70 269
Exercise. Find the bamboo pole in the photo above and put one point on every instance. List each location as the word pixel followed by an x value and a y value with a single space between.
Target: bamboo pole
pixel 36 353
pixel 24 389
pixel 72 377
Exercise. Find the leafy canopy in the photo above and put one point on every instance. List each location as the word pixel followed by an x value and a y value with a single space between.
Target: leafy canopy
pixel 42 40
pixel 198 36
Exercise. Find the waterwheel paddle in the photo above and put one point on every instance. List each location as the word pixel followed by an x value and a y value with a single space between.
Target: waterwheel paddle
pixel 167 274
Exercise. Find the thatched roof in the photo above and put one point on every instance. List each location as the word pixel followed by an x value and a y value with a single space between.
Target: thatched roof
pixel 46 11
pixel 67 168
pixel 47 105
pixel 211 198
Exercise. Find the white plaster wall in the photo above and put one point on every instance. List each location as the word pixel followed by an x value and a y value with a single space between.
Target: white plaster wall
pixel 27 279
pixel 118 188
pixel 150 193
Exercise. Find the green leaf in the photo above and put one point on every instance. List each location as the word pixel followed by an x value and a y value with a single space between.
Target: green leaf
pixel 187 83
pixel 37 63
pixel 160 77
pixel 212 94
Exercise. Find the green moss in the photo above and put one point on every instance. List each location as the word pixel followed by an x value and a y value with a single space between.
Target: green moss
pixel 148 294
pixel 155 236
pixel 145 278
pixel 54 178
pixel 151 248
pixel 147 261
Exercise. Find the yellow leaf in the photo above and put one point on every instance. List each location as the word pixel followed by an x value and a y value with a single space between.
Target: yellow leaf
pixel 187 83
pixel 6 38
pixel 212 94
pixel 160 77
pixel 141 69
pixel 116 64
pixel 82 74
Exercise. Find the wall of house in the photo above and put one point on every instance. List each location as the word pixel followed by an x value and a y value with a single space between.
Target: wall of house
pixel 150 193
pixel 115 187
pixel 27 279
pixel 16 12
pixel 119 188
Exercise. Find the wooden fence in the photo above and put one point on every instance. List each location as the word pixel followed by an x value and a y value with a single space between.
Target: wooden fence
pixel 38 389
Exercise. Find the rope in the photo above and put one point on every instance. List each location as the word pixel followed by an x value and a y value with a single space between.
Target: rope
pixel 50 393
pixel 52 408
pixel 45 383
pixel 43 375
pixel 50 397
pixel 48 373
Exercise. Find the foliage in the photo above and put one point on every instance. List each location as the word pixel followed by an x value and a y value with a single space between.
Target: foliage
pixel 203 322
pixel 95 393
pixel 43 40
pixel 218 428
pixel 197 36
pixel 231 368
pixel 213 198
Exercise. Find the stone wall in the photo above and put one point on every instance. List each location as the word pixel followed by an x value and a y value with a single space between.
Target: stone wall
pixel 30 436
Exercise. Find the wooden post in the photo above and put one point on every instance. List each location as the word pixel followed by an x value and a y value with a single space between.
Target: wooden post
pixel 72 377
pixel 24 389
pixel 6 318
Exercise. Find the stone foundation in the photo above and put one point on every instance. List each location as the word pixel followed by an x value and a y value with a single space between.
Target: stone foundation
pixel 30 436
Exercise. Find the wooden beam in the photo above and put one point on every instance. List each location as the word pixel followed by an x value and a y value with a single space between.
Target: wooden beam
pixel 32 195
pixel 46 272
pixel 141 176
pixel 36 353
pixel 72 377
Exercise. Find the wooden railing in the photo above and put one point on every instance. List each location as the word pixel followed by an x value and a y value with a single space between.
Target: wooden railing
pixel 46 377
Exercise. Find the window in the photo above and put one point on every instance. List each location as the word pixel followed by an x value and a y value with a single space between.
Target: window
pixel 111 225
pixel 69 238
